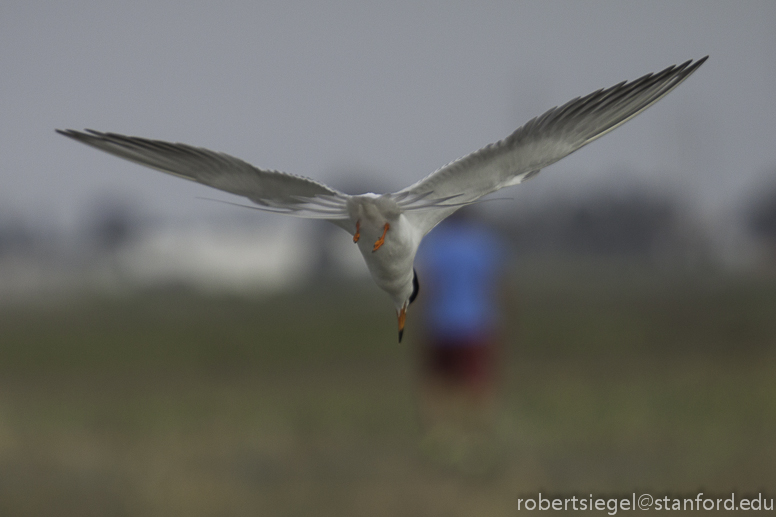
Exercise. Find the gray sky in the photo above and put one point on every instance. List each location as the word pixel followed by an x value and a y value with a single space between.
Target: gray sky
pixel 382 93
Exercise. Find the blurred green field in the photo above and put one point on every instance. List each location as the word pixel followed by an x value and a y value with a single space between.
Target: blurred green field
pixel 170 403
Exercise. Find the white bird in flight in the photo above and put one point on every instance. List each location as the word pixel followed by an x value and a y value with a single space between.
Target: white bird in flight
pixel 388 228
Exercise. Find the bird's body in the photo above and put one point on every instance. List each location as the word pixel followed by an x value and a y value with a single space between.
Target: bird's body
pixel 388 228
pixel 390 265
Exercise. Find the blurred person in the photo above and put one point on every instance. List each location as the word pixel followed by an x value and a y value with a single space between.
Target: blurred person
pixel 461 270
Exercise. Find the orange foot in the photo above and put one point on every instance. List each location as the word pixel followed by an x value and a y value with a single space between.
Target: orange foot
pixel 358 232
pixel 381 240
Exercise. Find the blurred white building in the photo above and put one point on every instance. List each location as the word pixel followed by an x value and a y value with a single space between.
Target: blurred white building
pixel 212 258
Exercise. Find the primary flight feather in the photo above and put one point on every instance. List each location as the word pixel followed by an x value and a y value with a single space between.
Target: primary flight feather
pixel 388 228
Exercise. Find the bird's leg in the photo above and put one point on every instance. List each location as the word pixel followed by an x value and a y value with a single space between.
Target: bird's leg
pixel 381 240
pixel 358 231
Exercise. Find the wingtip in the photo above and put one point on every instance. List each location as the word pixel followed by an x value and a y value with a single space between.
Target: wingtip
pixel 75 132
pixel 692 66
pixel 700 61
pixel 71 133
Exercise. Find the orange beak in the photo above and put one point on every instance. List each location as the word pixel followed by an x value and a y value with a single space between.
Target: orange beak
pixel 402 316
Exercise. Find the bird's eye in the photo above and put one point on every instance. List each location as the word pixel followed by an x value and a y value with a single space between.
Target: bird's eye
pixel 415 286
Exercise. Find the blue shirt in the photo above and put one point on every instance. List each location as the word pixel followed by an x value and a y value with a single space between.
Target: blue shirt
pixel 460 267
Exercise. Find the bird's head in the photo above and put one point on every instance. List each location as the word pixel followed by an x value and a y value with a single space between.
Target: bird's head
pixel 404 300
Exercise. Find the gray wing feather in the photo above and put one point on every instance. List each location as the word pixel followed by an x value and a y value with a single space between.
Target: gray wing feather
pixel 541 142
pixel 272 191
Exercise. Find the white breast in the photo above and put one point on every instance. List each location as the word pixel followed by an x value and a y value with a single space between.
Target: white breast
pixel 391 265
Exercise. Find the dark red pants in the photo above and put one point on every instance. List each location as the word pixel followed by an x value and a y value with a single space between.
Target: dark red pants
pixel 470 362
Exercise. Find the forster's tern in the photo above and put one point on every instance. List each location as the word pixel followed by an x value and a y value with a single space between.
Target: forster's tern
pixel 388 228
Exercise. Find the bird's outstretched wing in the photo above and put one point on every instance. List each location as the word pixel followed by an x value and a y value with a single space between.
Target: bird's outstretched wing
pixel 272 191
pixel 541 142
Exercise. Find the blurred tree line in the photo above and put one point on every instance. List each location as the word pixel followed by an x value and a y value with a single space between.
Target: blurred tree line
pixel 634 224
